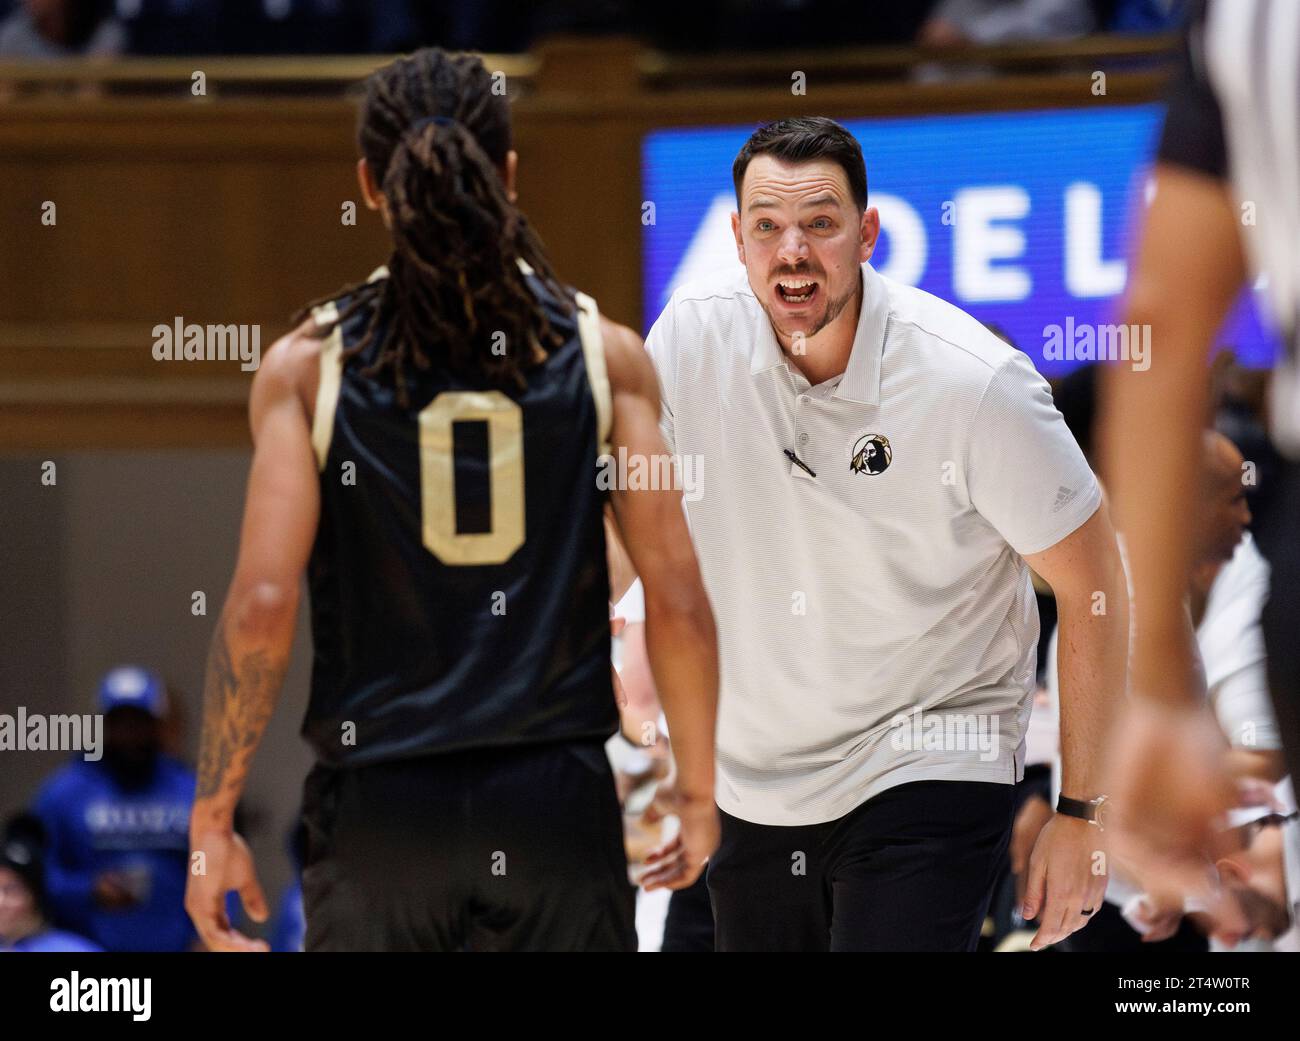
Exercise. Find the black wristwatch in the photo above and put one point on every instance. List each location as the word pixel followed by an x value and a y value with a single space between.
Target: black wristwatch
pixel 1090 811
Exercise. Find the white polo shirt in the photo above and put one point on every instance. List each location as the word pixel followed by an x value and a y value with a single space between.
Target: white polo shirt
pixel 1231 641
pixel 892 581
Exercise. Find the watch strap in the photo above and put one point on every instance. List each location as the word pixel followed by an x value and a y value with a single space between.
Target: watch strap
pixel 1086 811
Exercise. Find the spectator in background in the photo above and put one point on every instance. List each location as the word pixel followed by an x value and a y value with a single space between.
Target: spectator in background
pixel 1228 589
pixel 61 29
pixel 24 925
pixel 118 828
pixel 1239 402
pixel 958 23
pixel 1261 884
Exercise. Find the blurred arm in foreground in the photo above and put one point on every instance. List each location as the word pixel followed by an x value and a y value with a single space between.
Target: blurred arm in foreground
pixel 1169 781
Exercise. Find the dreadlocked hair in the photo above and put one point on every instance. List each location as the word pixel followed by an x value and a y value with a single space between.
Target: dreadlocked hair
pixel 435 135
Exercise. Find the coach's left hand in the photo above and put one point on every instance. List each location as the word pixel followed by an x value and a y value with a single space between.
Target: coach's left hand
pixel 1067 876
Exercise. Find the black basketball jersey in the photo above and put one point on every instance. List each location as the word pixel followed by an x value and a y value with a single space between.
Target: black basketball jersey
pixel 458 582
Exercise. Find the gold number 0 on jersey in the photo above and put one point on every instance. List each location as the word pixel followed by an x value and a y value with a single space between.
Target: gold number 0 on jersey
pixel 505 422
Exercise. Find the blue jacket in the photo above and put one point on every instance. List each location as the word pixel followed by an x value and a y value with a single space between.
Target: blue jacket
pixel 95 826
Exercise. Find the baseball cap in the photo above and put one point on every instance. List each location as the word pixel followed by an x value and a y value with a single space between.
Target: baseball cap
pixel 133 687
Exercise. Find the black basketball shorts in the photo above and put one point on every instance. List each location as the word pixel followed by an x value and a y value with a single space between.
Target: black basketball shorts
pixel 487 850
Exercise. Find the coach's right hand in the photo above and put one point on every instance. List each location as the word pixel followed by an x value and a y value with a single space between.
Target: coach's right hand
pixel 677 864
pixel 227 864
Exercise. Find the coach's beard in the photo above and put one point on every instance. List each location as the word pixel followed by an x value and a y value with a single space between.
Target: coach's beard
pixel 834 308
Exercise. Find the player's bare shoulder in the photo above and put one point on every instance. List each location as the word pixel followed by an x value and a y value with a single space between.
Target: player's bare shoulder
pixel 291 367
pixel 628 365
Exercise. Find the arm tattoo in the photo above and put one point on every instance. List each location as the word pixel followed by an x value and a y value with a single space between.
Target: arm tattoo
pixel 238 698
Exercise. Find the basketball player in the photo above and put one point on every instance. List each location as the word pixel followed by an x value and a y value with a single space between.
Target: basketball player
pixel 884 471
pixel 1226 207
pixel 425 446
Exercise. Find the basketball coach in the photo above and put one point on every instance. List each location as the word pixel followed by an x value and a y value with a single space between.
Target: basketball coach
pixel 882 473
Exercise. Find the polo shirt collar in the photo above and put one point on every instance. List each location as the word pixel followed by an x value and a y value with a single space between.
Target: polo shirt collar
pixel 767 353
pixel 861 380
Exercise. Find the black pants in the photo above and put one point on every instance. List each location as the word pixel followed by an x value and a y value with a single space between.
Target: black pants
pixel 499 849
pixel 1279 541
pixel 909 870
pixel 689 925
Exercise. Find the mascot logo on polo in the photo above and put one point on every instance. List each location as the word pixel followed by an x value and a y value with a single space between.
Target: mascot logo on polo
pixel 871 455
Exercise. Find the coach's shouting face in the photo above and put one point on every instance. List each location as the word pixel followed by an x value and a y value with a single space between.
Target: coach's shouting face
pixel 802 233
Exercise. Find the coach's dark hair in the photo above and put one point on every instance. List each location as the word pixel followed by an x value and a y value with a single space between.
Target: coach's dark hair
pixel 435 135
pixel 801 140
